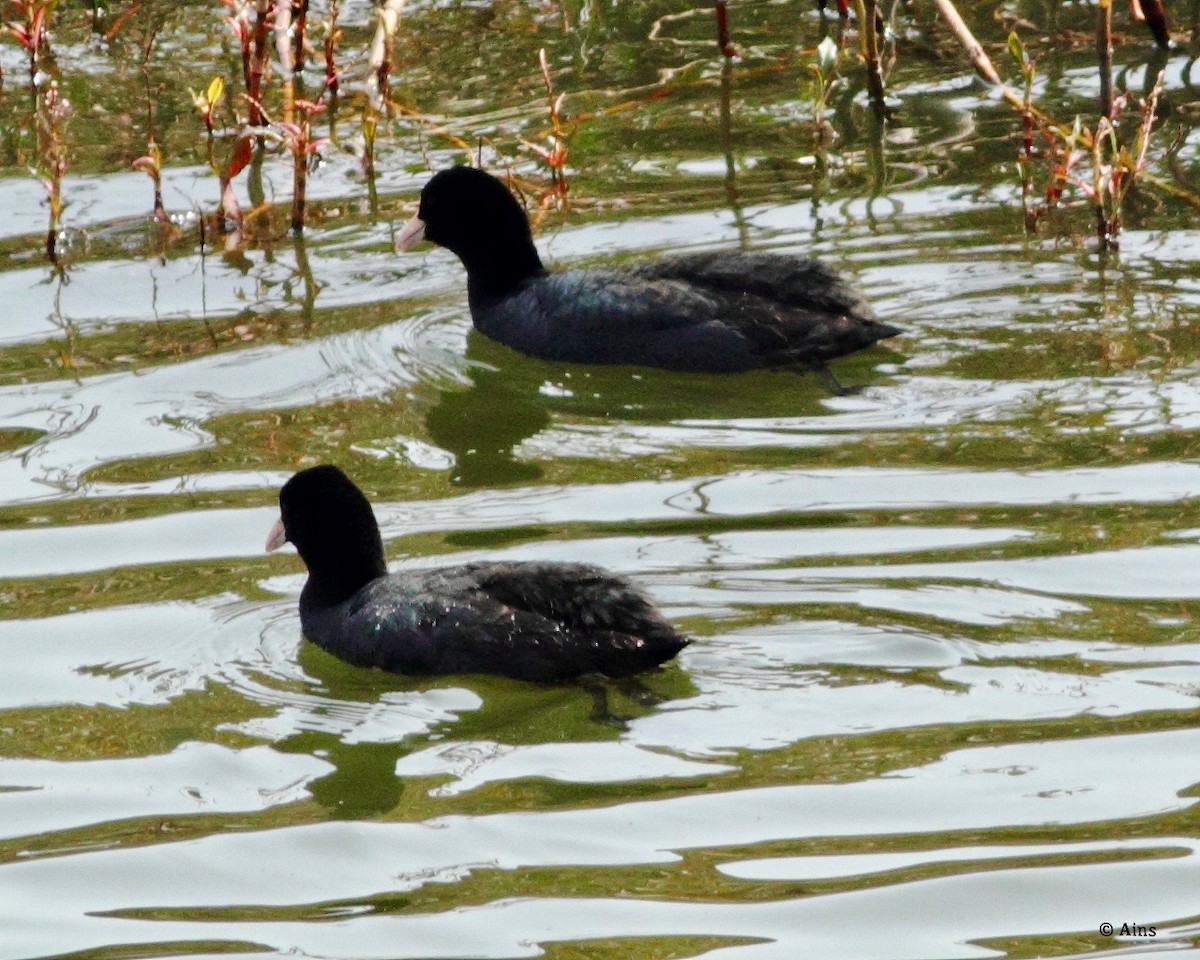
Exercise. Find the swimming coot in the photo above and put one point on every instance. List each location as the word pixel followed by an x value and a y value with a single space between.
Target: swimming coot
pixel 713 312
pixel 533 621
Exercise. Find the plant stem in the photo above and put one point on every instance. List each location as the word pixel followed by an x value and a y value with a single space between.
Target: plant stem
pixel 868 11
pixel 160 211
pixel 299 189
pixel 1104 52
pixel 300 18
pixel 731 190
pixel 370 127
pixel 379 60
pixel 285 50
pixel 983 64
pixel 331 38
pixel 258 63
pixel 724 45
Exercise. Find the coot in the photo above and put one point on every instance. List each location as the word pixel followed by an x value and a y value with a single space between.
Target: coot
pixel 533 621
pixel 716 312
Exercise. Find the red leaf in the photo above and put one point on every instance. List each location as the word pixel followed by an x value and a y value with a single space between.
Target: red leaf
pixel 243 150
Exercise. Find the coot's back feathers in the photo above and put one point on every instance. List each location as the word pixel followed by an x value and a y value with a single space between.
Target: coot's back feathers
pixel 712 312
pixel 793 309
pixel 533 621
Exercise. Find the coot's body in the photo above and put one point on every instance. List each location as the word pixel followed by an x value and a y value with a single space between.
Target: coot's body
pixel 708 312
pixel 533 621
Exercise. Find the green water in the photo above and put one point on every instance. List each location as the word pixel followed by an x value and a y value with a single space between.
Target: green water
pixel 942 699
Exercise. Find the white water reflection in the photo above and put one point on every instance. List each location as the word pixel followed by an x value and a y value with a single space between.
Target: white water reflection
pixel 42 796
pixel 1017 785
pixel 158 292
pixel 477 763
pixel 758 689
pixel 861 864
pixel 1145 573
pixel 166 409
pixel 354 270
pixel 1136 403
pixel 768 705
pixel 737 494
pixel 152 654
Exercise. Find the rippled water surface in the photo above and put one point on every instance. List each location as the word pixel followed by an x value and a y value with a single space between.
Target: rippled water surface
pixel 942 700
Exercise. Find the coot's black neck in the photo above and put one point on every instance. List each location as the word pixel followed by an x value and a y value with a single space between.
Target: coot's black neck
pixel 335 575
pixel 501 269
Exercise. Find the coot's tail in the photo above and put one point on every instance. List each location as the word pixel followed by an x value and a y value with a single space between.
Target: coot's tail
pixel 621 655
pixel 874 330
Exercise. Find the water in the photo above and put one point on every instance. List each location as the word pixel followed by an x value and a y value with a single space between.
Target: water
pixel 942 698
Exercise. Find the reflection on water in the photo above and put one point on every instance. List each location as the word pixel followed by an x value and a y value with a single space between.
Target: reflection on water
pixel 483 425
pixel 942 696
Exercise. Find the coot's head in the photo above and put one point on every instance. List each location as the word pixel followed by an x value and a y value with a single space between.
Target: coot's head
pixel 332 526
pixel 474 215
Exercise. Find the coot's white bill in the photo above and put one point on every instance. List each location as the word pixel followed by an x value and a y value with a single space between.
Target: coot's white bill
pixel 412 234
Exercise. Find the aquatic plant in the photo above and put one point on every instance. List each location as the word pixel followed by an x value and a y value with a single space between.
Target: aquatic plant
pixel 230 212
pixel 379 59
pixel 299 12
pixel 1114 167
pixel 1057 159
pixel 1028 126
pixel 824 67
pixel 333 35
pixel 238 22
pixel 369 125
pixel 297 137
pixel 251 36
pixel 53 111
pixel 286 51
pixel 555 155
pixel 208 101
pixel 151 165
pixel 869 31
pixel 151 162
pixel 379 80
pixel 290 18
pixel 259 61
pixel 1104 52
pixel 31 29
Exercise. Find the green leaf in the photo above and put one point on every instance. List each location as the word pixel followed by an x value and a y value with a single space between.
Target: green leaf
pixel 1017 49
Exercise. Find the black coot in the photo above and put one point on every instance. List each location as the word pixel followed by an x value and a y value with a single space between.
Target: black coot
pixel 533 621
pixel 707 312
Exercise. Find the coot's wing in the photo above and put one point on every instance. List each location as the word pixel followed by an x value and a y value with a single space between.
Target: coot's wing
pixel 791 282
pixel 612 300
pixel 794 310
pixel 577 595
pixel 605 621
pixel 617 316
